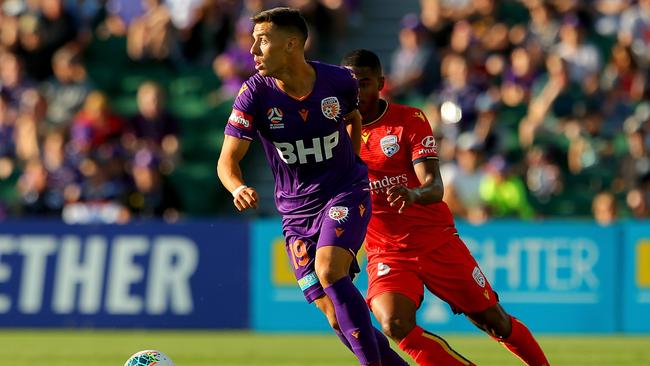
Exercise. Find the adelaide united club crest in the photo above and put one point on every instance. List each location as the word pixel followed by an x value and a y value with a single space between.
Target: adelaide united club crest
pixel 330 107
pixel 389 145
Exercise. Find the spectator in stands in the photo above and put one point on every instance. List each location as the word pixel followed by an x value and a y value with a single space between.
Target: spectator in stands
pixel 635 27
pixel 56 24
pixel 151 36
pixel 9 15
pixel 437 25
pixel 31 116
pixel 54 28
pixel 543 28
pixel 544 177
pixel 13 81
pixel 635 162
pixel 184 14
pixel 235 65
pixel 520 75
pixel 604 208
pixel 608 16
pixel 152 196
pixel 325 29
pixel 638 199
pixel 582 58
pixel 102 192
pixel 95 125
pixel 554 97
pixel 414 67
pixel 119 16
pixel 7 128
pixel 63 175
pixel 33 189
pixel 492 33
pixel 487 130
pixel 459 92
pixel 67 91
pixel 461 38
pixel 153 127
pixel 462 179
pixel 624 82
pixel 504 192
pixel 209 33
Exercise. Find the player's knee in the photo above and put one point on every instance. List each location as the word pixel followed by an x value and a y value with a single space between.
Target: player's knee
pixel 327 275
pixel 396 328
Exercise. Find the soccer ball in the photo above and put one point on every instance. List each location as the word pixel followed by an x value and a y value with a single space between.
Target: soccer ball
pixel 149 358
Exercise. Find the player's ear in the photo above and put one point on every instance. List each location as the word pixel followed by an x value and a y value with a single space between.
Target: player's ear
pixel 381 82
pixel 292 44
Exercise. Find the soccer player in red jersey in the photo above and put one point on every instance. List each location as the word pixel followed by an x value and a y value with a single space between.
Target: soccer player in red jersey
pixel 412 241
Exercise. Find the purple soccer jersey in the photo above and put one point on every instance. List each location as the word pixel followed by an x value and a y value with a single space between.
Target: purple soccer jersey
pixel 320 183
pixel 305 140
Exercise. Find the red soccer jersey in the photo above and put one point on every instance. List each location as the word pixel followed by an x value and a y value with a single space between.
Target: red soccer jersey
pixel 390 146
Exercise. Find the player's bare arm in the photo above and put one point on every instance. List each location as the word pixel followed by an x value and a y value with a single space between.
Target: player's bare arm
pixel 230 174
pixel 353 122
pixel 430 190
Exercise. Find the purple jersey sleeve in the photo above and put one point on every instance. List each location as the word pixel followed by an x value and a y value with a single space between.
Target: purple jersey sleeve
pixel 241 123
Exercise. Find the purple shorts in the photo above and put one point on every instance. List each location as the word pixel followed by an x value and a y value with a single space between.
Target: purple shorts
pixel 342 223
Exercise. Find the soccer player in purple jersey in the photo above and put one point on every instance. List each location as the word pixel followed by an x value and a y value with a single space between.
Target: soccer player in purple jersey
pixel 305 114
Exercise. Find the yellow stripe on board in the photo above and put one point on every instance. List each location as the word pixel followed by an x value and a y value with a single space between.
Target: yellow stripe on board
pixel 280 267
pixel 446 347
pixel 643 263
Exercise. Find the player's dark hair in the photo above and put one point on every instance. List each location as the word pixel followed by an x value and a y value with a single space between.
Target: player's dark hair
pixel 287 18
pixel 363 58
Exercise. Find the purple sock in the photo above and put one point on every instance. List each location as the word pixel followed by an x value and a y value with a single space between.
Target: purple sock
pixel 388 356
pixel 343 339
pixel 354 320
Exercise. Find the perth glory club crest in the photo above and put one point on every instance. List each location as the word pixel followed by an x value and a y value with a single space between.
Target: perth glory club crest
pixel 338 213
pixel 330 107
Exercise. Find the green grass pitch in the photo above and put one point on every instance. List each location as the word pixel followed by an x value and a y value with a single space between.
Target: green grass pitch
pixel 197 348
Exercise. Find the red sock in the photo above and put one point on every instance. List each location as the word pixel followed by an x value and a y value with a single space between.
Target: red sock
pixel 522 343
pixel 428 349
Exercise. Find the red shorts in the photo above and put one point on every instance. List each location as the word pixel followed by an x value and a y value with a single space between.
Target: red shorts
pixel 449 272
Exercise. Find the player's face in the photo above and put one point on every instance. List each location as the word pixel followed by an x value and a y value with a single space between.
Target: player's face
pixel 269 49
pixel 370 84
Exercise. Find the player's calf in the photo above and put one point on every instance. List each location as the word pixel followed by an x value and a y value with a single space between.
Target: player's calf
pixel 388 356
pixel 512 333
pixel 494 321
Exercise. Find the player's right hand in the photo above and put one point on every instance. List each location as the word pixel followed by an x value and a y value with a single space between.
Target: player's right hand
pixel 245 199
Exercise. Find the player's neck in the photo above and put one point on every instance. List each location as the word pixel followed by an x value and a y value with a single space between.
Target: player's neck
pixel 297 80
pixel 375 113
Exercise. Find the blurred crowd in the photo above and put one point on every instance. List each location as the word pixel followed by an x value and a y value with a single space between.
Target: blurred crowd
pixel 64 151
pixel 541 108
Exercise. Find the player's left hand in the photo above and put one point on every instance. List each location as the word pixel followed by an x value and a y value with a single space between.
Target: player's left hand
pixel 400 196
